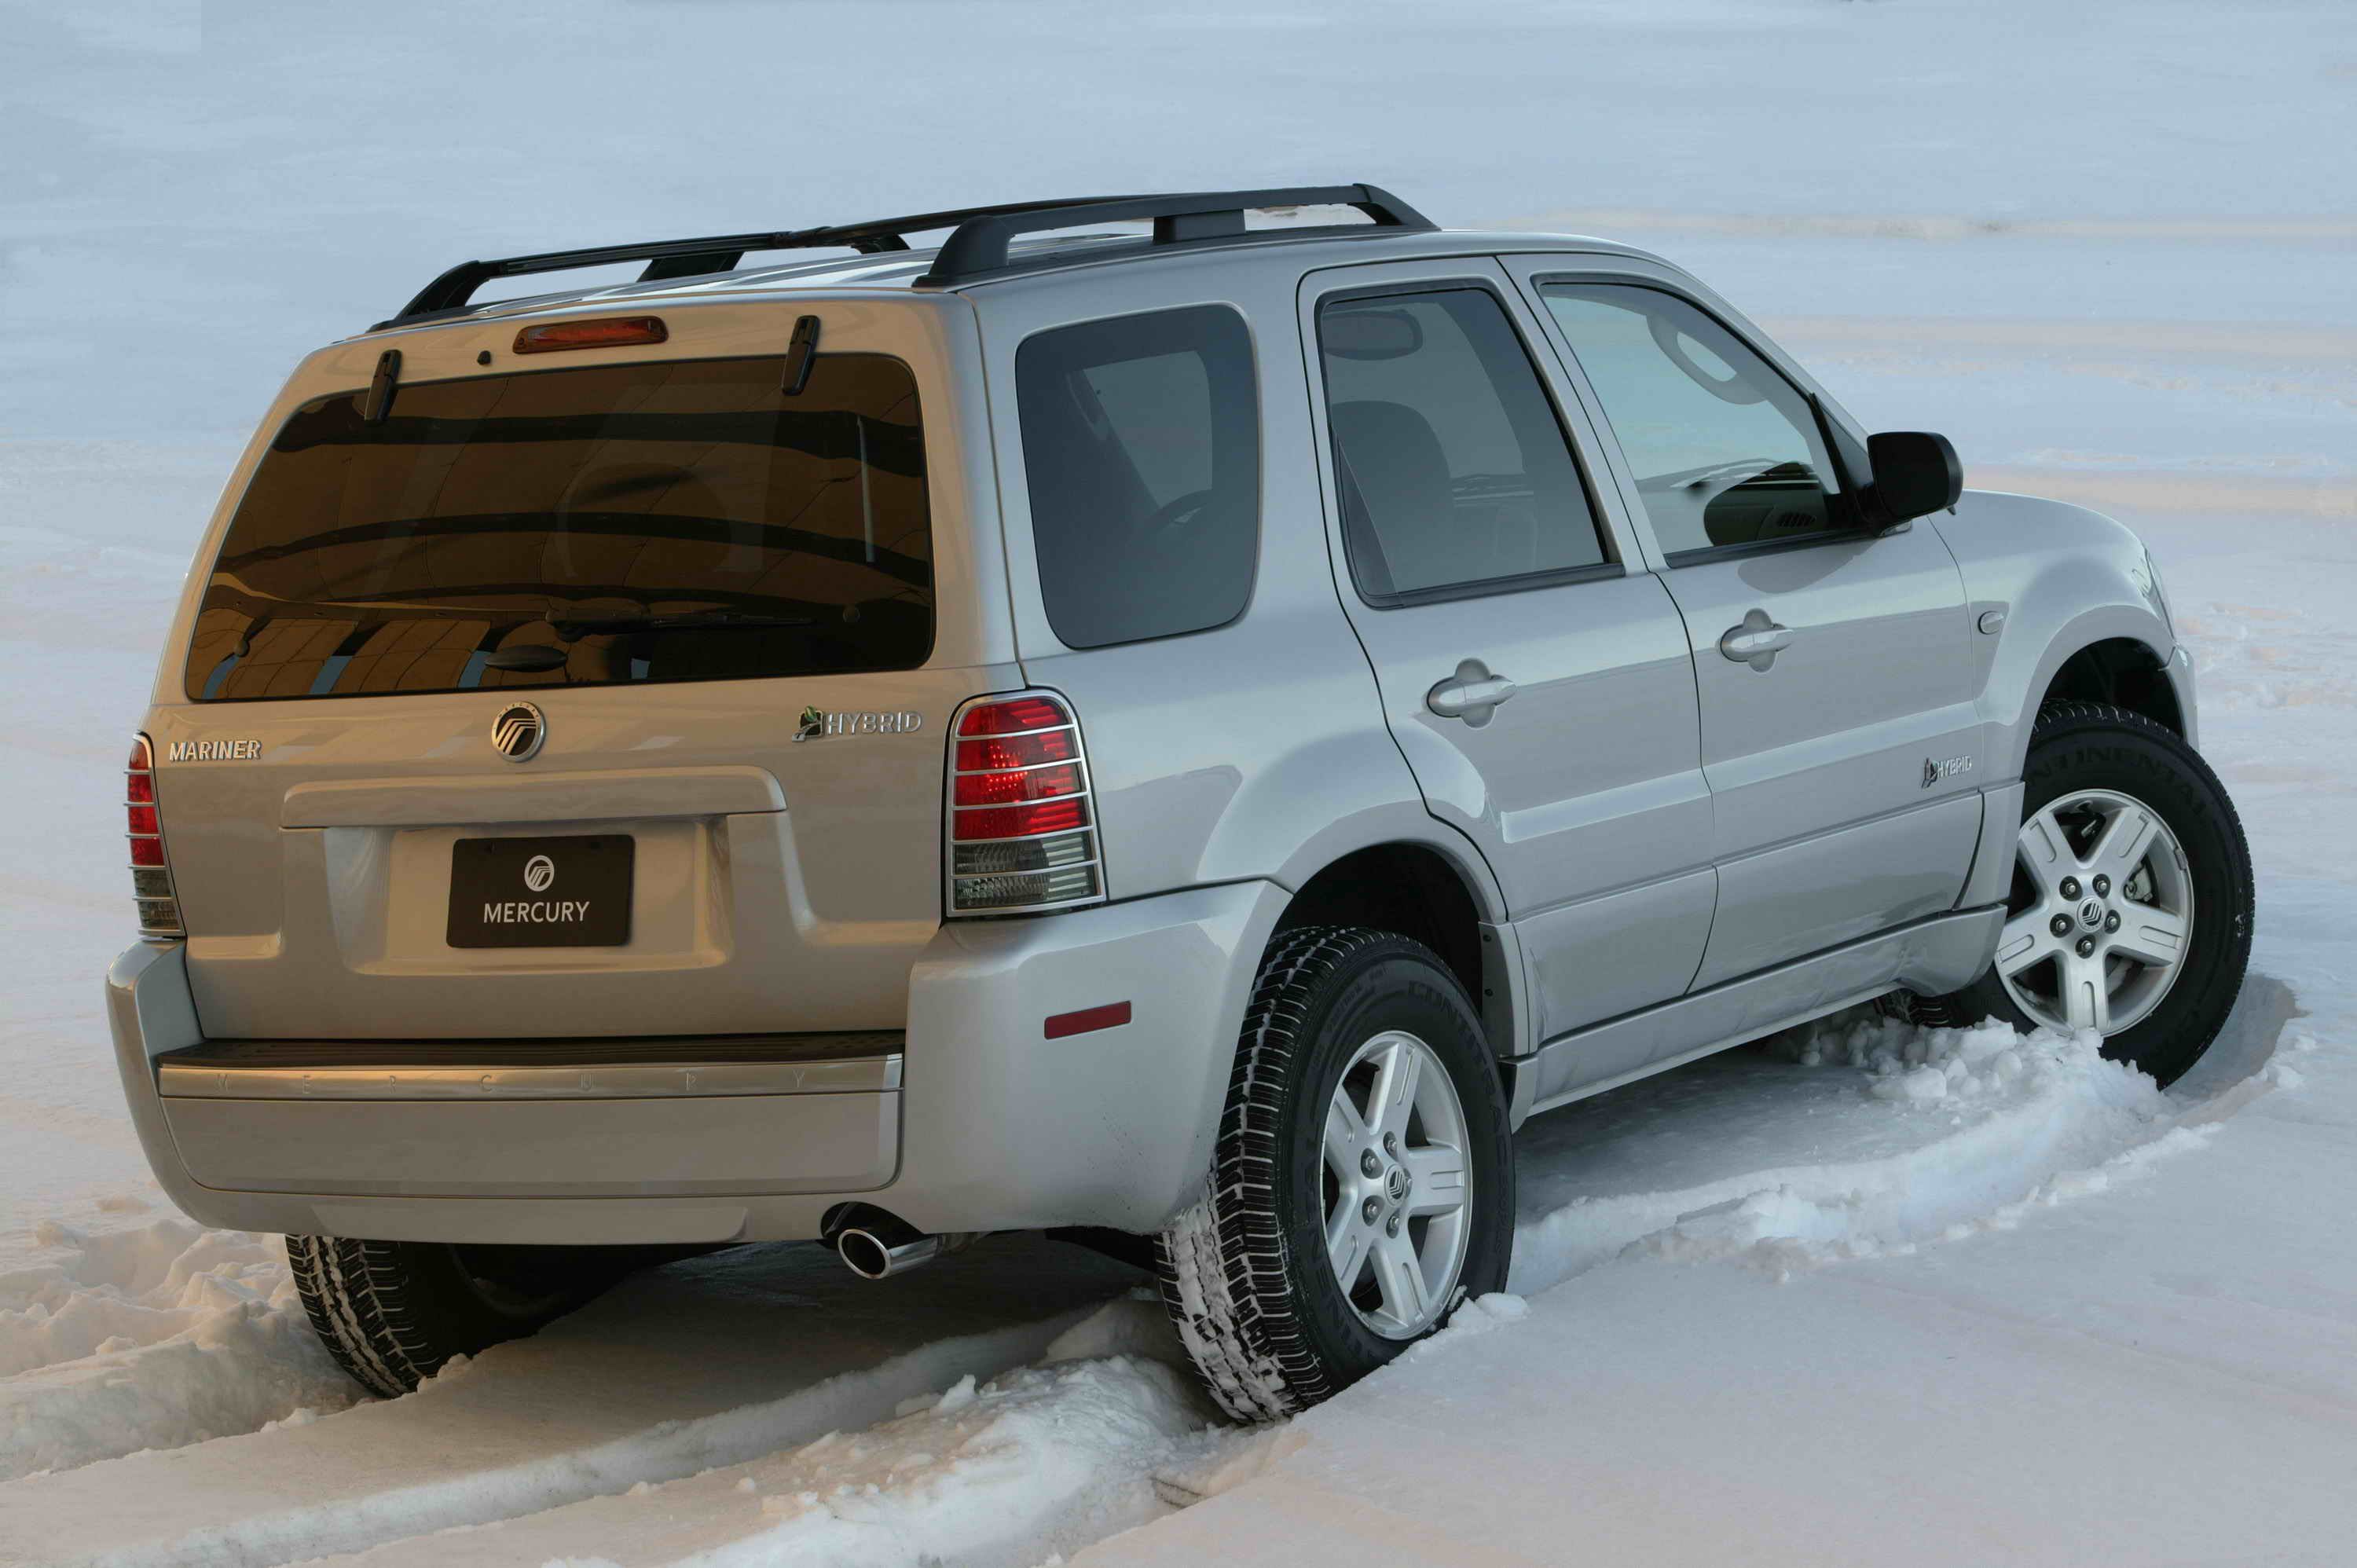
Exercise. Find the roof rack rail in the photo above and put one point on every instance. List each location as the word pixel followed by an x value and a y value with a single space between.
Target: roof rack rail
pixel 979 246
pixel 451 293
pixel 976 247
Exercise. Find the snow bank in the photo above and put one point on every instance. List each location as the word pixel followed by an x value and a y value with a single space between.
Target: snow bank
pixel 1041 1459
pixel 1943 1131
pixel 151 1337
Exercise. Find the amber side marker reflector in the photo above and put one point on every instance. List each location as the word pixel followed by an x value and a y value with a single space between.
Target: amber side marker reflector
pixel 611 332
pixel 1111 1015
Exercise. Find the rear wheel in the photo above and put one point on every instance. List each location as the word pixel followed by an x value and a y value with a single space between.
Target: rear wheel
pixel 392 1312
pixel 1363 1184
pixel 2131 907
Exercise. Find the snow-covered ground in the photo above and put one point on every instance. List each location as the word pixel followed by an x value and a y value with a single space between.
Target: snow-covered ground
pixel 1861 1295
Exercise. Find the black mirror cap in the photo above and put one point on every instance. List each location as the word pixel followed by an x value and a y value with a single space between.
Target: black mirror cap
pixel 1916 472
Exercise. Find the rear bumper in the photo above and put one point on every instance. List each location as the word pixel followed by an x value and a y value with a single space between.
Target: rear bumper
pixel 980 1123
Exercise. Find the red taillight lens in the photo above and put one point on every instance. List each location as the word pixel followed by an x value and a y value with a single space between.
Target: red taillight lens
pixel 1013 716
pixel 1022 833
pixel 1021 822
pixel 1015 751
pixel 151 877
pixel 1022 784
pixel 611 332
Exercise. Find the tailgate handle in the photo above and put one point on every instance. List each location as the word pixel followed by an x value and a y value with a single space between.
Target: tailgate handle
pixel 621 794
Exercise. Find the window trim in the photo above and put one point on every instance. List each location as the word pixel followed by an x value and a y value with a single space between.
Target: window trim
pixel 1260 465
pixel 1845 498
pixel 1611 568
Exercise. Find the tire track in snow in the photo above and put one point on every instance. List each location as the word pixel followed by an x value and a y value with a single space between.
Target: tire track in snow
pixel 710 1363
pixel 1951 1131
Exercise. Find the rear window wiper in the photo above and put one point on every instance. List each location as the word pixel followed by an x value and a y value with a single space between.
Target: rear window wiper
pixel 573 628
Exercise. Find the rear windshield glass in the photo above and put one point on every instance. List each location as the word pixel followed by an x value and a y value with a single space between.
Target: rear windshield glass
pixel 1141 439
pixel 648 522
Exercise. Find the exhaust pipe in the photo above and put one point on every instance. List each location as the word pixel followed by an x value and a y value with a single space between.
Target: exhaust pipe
pixel 876 1245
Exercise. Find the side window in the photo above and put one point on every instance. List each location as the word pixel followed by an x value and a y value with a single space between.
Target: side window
pixel 1452 468
pixel 1141 437
pixel 1726 450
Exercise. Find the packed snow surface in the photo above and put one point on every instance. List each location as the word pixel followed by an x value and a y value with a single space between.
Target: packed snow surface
pixel 1863 1293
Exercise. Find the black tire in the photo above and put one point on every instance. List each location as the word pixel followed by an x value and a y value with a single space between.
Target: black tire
pixel 392 1312
pixel 2091 746
pixel 1244 1272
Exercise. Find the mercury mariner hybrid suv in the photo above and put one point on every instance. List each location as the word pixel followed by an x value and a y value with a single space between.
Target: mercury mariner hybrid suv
pixel 1146 718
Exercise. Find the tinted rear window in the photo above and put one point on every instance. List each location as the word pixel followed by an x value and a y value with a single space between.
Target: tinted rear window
pixel 1141 437
pixel 649 521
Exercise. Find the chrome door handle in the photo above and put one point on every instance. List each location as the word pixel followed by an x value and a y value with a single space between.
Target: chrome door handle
pixel 1757 641
pixel 1472 694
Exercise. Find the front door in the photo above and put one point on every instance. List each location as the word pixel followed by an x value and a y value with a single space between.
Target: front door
pixel 1534 674
pixel 1834 666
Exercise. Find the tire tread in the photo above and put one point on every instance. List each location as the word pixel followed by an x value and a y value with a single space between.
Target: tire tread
pixel 1223 1264
pixel 353 1291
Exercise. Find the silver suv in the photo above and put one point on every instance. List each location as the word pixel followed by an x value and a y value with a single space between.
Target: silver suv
pixel 1190 735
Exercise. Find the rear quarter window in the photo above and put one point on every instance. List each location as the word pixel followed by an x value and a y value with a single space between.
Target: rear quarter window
pixel 1141 441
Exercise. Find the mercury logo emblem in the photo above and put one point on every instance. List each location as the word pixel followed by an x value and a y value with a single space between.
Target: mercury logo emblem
pixel 539 873
pixel 2091 913
pixel 517 733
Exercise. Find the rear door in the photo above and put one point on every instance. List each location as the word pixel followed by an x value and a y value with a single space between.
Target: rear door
pixel 599 695
pixel 1835 667
pixel 1534 674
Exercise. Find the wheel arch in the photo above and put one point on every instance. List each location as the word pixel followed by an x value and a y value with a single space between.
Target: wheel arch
pixel 2121 673
pixel 1422 886
pixel 2110 653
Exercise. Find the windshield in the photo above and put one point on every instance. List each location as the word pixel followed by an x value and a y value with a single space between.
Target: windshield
pixel 649 521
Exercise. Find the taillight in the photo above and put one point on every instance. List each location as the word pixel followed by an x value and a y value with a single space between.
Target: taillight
pixel 151 872
pixel 1023 828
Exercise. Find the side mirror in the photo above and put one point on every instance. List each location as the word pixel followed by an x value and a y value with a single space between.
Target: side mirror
pixel 1915 473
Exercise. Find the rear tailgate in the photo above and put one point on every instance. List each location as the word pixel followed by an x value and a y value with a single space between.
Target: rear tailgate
pixel 737 617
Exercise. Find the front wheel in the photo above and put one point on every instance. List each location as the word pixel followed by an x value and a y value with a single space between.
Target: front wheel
pixel 2131 908
pixel 1363 1181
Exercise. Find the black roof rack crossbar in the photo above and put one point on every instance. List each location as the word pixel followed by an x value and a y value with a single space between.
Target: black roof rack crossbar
pixel 980 245
pixel 450 293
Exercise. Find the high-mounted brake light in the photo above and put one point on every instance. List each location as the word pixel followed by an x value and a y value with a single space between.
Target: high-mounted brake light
pixel 151 871
pixel 608 332
pixel 1022 821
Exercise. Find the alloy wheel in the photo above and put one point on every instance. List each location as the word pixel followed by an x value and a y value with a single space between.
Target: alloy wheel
pixel 1396 1185
pixel 2101 916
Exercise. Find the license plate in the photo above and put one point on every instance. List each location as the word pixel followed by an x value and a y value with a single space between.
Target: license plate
pixel 540 893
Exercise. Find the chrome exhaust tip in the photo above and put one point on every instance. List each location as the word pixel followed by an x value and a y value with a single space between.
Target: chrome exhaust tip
pixel 874 1257
pixel 876 1244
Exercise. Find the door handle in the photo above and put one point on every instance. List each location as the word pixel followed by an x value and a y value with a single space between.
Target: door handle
pixel 1757 641
pixel 1472 694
